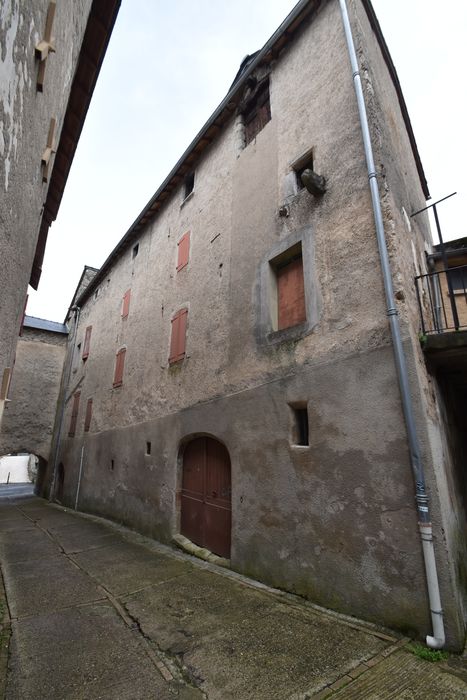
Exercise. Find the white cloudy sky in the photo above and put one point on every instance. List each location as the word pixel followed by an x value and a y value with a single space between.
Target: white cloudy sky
pixel 167 68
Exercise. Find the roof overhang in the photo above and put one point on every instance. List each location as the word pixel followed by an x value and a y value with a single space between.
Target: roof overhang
pixel 96 37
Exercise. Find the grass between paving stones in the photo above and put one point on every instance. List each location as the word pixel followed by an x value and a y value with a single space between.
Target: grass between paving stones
pixel 423 652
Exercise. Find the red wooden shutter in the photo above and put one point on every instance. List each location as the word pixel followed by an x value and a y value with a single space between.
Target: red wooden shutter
pixel 119 364
pixel 178 336
pixel 126 303
pixel 87 342
pixel 88 416
pixel 291 294
pixel 183 251
pixel 74 414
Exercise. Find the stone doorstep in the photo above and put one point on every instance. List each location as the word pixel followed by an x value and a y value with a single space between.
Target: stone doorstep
pixel 201 552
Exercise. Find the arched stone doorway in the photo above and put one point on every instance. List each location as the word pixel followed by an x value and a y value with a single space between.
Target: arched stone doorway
pixel 206 495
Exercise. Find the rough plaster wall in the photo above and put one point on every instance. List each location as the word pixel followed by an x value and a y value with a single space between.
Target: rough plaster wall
pixel 355 479
pixel 29 416
pixel 408 241
pixel 24 123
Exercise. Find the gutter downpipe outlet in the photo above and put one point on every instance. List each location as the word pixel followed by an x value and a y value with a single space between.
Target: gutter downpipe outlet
pixel 77 312
pixel 437 641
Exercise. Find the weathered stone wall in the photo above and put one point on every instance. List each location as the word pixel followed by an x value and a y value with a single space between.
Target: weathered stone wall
pixel 25 116
pixel 28 418
pixel 334 520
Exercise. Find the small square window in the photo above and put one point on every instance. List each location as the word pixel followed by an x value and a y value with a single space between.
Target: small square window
pixel 135 251
pixel 189 185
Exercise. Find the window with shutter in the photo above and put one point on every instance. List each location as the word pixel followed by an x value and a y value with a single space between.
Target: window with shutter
pixel 183 251
pixel 126 303
pixel 258 111
pixel 291 308
pixel 87 342
pixel 74 414
pixel 178 336
pixel 88 416
pixel 119 364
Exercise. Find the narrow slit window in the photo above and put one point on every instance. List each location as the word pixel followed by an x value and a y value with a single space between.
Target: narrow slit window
pixel 112 465
pixel 88 416
pixel 148 448
pixel 135 251
pixel 301 430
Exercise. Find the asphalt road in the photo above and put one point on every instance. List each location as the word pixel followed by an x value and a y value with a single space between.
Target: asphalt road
pixel 97 612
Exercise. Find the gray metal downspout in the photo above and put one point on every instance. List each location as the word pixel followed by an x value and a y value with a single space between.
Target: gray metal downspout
pixel 77 311
pixel 438 639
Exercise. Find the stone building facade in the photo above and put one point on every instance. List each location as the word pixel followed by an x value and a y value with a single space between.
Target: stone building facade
pixel 232 372
pixel 29 415
pixel 50 59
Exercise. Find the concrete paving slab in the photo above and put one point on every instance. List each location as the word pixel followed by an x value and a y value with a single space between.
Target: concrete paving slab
pixel 26 545
pixel 46 585
pixel 72 539
pixel 85 652
pixel 143 569
pixel 237 642
pixel 402 676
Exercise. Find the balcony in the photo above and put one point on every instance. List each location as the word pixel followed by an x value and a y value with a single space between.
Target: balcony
pixel 442 303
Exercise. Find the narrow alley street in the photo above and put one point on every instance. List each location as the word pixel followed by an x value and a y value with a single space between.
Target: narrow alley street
pixel 95 611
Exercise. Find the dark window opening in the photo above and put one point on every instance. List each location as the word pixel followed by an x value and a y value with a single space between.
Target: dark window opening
pixel 458 278
pixel 301 436
pixel 112 465
pixel 96 293
pixel 189 185
pixel 135 251
pixel 257 112
pixel 148 448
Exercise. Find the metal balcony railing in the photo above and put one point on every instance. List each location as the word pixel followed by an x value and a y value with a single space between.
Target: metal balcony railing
pixel 442 300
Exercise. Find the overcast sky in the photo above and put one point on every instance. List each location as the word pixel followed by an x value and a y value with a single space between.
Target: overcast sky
pixel 167 68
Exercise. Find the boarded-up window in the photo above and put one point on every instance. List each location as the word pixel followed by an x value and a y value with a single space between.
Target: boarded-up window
pixel 74 414
pixel 119 364
pixel 258 112
pixel 183 251
pixel 88 416
pixel 178 336
pixel 126 303
pixel 291 308
pixel 87 342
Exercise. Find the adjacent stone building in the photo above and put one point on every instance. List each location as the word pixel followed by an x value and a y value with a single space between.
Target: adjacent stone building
pixel 232 375
pixel 29 415
pixel 51 54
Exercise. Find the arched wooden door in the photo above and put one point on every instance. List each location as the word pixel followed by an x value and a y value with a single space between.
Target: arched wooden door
pixel 206 495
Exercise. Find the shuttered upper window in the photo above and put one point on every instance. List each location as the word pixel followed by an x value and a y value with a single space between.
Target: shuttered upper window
pixel 88 416
pixel 183 251
pixel 257 112
pixel 87 342
pixel 178 336
pixel 126 303
pixel 291 308
pixel 119 365
pixel 74 414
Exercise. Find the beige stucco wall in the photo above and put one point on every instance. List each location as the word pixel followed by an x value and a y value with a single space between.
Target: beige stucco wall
pixel 25 116
pixel 334 521
pixel 29 415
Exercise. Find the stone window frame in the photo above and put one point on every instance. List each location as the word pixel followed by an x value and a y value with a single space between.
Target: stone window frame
pixel 266 333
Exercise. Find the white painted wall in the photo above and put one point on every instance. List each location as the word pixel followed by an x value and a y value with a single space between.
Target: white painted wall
pixel 17 467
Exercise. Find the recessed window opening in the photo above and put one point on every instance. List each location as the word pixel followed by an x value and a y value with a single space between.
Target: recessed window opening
pixel 257 111
pixel 287 289
pixel 112 465
pixel 148 448
pixel 300 434
pixel 135 251
pixel 188 185
pixel 96 293
pixel 304 163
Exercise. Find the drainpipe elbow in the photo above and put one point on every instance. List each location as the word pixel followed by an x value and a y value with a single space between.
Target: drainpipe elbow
pixel 436 642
